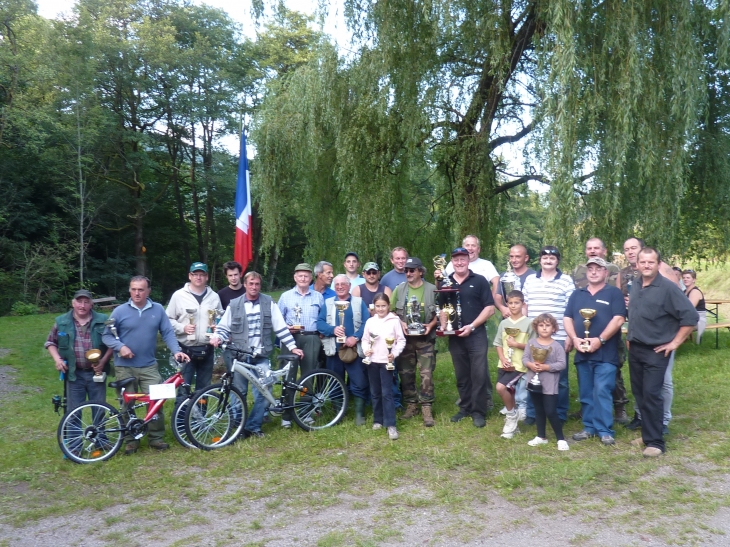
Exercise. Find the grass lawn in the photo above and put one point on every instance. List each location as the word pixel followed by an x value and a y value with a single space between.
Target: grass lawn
pixel 450 467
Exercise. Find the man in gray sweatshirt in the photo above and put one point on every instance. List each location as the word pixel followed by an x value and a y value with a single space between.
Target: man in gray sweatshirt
pixel 137 323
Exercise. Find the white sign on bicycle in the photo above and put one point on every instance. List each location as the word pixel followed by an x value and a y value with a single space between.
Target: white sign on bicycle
pixel 162 391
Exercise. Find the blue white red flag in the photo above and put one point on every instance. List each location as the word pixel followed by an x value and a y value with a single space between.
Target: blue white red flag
pixel 243 250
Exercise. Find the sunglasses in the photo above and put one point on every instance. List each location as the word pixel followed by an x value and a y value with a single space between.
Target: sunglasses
pixel 553 252
pixel 410 270
pixel 371 272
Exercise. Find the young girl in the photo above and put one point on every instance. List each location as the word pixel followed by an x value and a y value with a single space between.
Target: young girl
pixel 383 324
pixel 546 401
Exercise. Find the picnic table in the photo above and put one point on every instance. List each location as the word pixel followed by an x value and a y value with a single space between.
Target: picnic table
pixel 106 302
pixel 716 326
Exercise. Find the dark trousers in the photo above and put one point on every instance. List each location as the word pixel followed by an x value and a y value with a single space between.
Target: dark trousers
pixel 200 370
pixel 546 408
pixel 357 376
pixel 563 392
pixel 381 391
pixel 84 386
pixel 472 372
pixel 310 344
pixel 647 370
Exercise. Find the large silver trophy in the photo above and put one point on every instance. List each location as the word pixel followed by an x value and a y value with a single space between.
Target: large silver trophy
pixel 111 323
pixel 373 336
pixel 510 281
pixel 341 306
pixel 413 315
pixel 439 263
pixel 540 355
pixel 191 318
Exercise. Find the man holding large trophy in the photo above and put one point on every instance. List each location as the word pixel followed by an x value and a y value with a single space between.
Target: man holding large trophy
pixel 415 303
pixel 593 319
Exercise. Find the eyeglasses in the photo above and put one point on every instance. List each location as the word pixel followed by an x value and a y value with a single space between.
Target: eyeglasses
pixel 371 272
pixel 410 270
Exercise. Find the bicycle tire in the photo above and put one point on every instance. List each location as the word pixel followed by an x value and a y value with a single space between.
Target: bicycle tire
pixel 91 432
pixel 214 418
pixel 322 402
pixel 177 424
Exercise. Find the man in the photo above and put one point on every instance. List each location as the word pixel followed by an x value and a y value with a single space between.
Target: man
pixel 548 291
pixel 372 285
pixel 73 334
pixel 300 308
pixel 198 296
pixel 233 271
pixel 137 323
pixel 597 355
pixel 518 260
pixel 595 247
pixel 397 275
pixel 478 265
pixel 352 265
pixel 469 349
pixel 323 275
pixel 419 351
pixel 329 325
pixel 250 322
pixel 661 317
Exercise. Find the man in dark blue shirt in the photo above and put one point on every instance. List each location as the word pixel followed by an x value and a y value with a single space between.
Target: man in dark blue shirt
pixel 596 357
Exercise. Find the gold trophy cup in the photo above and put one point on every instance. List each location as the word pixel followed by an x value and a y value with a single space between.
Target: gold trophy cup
pixel 587 314
pixel 211 323
pixel 389 341
pixel 93 356
pixel 341 306
pixel 511 331
pixel 540 355
pixel 191 319
pixel 447 312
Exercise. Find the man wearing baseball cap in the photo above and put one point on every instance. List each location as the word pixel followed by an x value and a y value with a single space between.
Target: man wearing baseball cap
pixel 73 334
pixel 372 285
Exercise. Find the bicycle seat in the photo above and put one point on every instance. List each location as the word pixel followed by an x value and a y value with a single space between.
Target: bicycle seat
pixel 287 357
pixel 119 384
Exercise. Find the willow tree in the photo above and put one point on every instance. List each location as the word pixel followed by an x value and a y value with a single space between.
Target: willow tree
pixel 604 100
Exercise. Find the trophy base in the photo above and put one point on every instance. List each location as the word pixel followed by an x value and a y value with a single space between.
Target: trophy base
pixel 447 289
pixel 456 332
pixel 585 347
pixel 416 332
pixel 390 366
pixel 341 339
pixel 191 337
pixel 535 388
pixel 100 378
pixel 366 361
pixel 297 328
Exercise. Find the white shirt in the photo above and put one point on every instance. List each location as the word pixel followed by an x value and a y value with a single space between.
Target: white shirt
pixel 479 266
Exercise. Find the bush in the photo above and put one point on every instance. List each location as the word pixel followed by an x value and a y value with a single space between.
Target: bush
pixel 22 308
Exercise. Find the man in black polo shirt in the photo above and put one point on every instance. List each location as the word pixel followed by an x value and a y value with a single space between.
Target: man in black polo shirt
pixel 469 349
pixel 597 357
pixel 661 317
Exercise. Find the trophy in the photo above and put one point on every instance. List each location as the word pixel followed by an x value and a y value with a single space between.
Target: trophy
pixel 111 323
pixel 510 281
pixel 458 313
pixel 439 263
pixel 191 318
pixel 587 314
pixel 415 327
pixel 447 312
pixel 93 356
pixel 539 355
pixel 211 323
pixel 297 317
pixel 373 337
pixel 341 306
pixel 511 331
pixel 389 341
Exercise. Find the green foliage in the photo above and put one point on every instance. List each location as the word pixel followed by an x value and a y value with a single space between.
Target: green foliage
pixel 23 308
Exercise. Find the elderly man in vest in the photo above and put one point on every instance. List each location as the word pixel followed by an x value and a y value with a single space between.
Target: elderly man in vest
pixel 75 333
pixel 250 322
pixel 346 356
pixel 414 298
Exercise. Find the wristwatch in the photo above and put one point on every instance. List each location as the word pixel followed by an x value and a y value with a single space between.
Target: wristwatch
pixel 601 340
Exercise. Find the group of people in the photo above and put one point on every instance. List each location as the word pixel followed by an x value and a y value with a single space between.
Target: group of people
pixel 380 334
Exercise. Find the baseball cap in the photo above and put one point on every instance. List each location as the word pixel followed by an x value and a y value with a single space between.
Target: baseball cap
pixel 414 262
pixel 198 267
pixel 83 293
pixel 352 253
pixel 370 266
pixel 598 261
pixel 303 267
pixel 459 251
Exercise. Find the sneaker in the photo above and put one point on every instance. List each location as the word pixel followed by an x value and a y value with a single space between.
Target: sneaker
pixel 620 416
pixel 510 422
pixel 392 433
pixel 503 411
pixel 458 416
pixel 537 441
pixel 607 440
pixel 521 414
pixel 377 426
pixel 665 429
pixel 652 452
pixel 507 435
pixel 478 421
pixel 583 435
pixel 634 424
pixel 286 424
pixel 529 421
pixel 563 445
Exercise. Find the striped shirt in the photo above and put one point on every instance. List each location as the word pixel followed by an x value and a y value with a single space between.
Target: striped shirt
pixel 308 304
pixel 253 319
pixel 548 296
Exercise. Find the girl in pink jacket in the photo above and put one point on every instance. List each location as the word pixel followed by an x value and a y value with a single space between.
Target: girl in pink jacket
pixel 381 326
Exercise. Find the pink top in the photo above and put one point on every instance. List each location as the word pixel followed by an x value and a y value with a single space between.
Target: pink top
pixel 387 326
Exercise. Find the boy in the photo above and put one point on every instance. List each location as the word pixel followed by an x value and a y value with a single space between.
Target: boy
pixel 510 349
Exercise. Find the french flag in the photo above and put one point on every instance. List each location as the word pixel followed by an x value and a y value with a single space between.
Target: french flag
pixel 243 250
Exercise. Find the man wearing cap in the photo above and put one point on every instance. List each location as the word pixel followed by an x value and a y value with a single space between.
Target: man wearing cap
pixel 548 291
pixel 419 351
pixel 372 285
pixel 352 265
pixel 198 297
pixel 597 354
pixel 137 324
pixel 73 334
pixel 397 275
pixel 233 271
pixel 469 348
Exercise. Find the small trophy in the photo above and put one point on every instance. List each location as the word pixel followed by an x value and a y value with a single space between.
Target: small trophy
pixel 415 327
pixel 297 318
pixel 389 341
pixel 111 323
pixel 510 281
pixel 439 263
pixel 539 355
pixel 511 331
pixel 587 314
pixel 211 323
pixel 93 356
pixel 447 312
pixel 373 337
pixel 191 318
pixel 341 306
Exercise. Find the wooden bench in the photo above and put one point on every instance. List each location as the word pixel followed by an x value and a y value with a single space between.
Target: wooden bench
pixel 717 327
pixel 106 303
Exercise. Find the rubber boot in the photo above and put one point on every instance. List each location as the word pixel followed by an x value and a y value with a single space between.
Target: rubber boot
pixel 359 411
pixel 427 417
pixel 411 411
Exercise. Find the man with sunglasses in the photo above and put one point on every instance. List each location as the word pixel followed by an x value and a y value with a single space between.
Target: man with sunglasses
pixel 371 287
pixel 548 291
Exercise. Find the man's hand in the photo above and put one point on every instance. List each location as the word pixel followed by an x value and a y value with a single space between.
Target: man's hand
pixel 98 368
pixel 189 329
pixel 214 341
pixel 126 353
pixel 511 342
pixel 578 343
pixel 466 331
pixel 568 344
pixel 180 356
pixel 351 341
pixel 60 365
pixel 297 351
pixel 666 348
pixel 339 331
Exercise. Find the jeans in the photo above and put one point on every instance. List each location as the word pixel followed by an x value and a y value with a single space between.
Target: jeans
pixel 84 385
pixel 260 403
pixel 381 391
pixel 521 398
pixel 596 383
pixel 563 392
pixel 667 394
pixel 648 370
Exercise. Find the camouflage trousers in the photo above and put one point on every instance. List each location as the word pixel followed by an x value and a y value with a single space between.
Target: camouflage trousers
pixel 417 355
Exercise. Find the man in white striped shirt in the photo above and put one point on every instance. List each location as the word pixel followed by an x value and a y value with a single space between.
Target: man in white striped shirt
pixel 547 291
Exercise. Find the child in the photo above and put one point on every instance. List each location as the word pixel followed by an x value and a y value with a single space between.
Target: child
pixel 510 369
pixel 546 399
pixel 383 324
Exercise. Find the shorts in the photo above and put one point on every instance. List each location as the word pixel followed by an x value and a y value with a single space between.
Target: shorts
pixel 509 379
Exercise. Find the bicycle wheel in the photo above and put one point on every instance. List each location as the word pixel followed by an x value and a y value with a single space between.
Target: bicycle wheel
pixel 178 424
pixel 215 417
pixel 322 400
pixel 92 432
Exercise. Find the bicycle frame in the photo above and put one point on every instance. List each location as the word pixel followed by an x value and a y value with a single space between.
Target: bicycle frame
pixel 250 372
pixel 144 398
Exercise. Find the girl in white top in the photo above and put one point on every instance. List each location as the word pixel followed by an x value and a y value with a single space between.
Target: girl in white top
pixel 382 325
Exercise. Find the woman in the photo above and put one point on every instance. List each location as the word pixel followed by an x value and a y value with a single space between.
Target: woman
pixel 697 298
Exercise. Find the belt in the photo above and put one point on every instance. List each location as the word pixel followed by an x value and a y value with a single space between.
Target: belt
pixel 309 333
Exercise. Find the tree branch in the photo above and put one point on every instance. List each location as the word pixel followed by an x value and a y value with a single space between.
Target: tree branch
pixel 499 141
